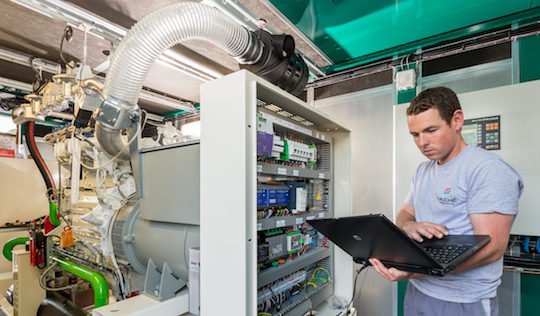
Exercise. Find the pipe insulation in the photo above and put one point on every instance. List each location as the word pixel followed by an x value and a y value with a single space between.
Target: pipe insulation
pixel 165 28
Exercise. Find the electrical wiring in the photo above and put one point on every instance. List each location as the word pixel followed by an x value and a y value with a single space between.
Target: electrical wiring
pixel 135 135
pixel 321 269
pixel 144 119
pixel 289 296
pixel 349 305
pixel 68 33
pixel 38 83
pixel 45 287
pixel 113 259
pixel 312 281
pixel 84 139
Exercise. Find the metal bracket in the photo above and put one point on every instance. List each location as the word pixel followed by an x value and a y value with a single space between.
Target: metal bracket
pixel 164 285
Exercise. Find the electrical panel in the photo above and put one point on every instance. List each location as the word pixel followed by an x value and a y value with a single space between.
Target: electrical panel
pixel 484 132
pixel 294 171
pixel 287 155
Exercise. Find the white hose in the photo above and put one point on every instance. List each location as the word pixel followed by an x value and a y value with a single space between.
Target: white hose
pixel 163 29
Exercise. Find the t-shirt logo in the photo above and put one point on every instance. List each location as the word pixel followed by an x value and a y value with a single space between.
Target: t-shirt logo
pixel 447 198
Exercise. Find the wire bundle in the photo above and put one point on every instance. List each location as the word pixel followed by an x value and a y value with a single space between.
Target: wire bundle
pixel 317 280
pixel 273 212
pixel 279 292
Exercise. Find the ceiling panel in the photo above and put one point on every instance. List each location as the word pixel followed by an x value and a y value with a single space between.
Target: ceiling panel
pixel 344 30
pixel 349 29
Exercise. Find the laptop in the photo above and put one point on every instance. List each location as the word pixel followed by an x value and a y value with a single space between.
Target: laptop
pixel 375 236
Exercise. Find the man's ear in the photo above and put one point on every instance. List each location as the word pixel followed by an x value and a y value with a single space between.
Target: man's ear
pixel 457 119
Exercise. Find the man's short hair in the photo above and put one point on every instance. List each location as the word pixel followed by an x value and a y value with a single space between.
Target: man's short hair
pixel 441 98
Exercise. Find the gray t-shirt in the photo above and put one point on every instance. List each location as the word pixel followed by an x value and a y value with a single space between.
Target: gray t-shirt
pixel 476 181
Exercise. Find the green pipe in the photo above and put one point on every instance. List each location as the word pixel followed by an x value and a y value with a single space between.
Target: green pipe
pixel 53 215
pixel 98 281
pixel 8 246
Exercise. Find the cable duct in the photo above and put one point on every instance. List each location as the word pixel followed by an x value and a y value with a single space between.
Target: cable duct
pixel 273 58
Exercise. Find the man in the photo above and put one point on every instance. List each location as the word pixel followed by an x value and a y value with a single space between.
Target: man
pixel 462 189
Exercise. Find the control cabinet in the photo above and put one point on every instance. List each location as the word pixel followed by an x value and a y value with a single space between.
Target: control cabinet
pixel 269 162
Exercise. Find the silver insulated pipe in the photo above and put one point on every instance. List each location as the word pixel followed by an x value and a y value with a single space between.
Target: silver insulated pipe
pixel 144 42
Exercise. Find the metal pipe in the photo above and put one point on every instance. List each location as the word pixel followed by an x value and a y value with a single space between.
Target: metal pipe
pixel 61 115
pixel 92 83
pixel 98 281
pixel 10 244
pixel 113 142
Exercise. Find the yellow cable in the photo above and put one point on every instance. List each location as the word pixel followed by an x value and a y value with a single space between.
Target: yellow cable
pixel 323 269
pixel 264 314
pixel 314 285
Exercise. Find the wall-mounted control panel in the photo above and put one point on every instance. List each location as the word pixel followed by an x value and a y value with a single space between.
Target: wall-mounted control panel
pixel 484 132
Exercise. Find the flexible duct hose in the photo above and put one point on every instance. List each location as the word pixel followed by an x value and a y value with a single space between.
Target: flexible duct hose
pixel 165 28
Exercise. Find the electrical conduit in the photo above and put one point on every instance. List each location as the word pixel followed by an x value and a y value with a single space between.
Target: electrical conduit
pixel 10 244
pixel 98 281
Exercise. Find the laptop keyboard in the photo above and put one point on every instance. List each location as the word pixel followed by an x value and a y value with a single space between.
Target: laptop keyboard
pixel 445 254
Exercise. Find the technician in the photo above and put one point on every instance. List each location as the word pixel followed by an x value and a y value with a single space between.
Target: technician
pixel 462 189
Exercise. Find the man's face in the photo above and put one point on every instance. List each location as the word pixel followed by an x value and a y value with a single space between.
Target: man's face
pixel 434 137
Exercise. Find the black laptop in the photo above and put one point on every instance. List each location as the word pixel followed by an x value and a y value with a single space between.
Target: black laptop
pixel 375 236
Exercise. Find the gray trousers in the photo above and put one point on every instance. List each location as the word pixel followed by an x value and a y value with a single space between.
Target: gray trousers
pixel 417 303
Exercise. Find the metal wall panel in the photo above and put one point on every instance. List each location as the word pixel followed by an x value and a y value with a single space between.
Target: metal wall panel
pixel 170 185
pixel 368 114
pixel 520 114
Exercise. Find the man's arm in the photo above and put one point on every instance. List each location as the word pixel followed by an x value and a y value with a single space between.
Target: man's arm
pixel 497 226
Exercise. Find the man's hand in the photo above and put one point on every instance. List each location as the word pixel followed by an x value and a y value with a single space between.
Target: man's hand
pixel 391 274
pixel 406 220
pixel 418 230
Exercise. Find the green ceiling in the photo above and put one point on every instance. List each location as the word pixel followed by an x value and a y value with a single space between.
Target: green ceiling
pixel 352 32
